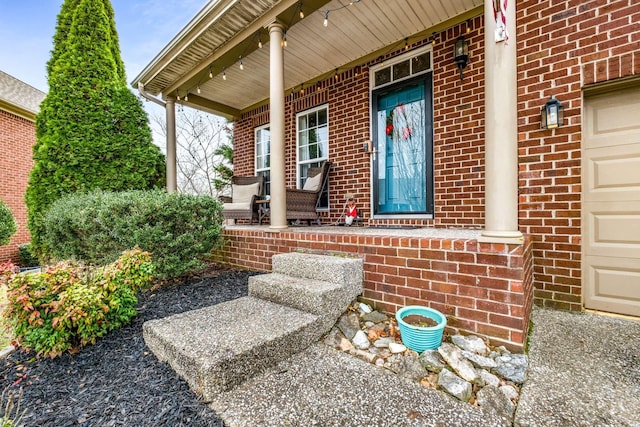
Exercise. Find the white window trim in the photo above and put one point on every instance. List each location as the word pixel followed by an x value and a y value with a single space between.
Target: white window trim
pixel 255 148
pixel 401 58
pixel 320 159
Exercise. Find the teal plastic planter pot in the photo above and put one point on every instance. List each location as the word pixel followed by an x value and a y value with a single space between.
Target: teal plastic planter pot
pixel 421 338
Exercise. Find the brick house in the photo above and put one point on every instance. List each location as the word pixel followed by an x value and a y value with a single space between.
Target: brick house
pixel 447 98
pixel 19 104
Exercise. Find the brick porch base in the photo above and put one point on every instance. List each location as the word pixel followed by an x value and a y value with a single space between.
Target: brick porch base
pixel 484 289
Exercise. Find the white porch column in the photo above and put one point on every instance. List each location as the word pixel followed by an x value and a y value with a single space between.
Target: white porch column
pixel 170 110
pixel 501 130
pixel 276 111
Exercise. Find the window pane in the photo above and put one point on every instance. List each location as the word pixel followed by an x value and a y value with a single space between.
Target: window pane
pixel 322 117
pixel 303 153
pixel 267 181
pixel 303 137
pixel 302 122
pixel 313 151
pixel 313 120
pixel 383 76
pixel 421 63
pixel 401 70
pixel 323 150
pixel 313 136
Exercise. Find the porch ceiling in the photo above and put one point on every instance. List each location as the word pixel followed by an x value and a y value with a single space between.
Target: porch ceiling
pixel 225 30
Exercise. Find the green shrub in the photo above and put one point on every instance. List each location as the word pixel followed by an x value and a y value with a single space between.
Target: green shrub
pixel 69 306
pixel 27 258
pixel 92 132
pixel 7 224
pixel 177 229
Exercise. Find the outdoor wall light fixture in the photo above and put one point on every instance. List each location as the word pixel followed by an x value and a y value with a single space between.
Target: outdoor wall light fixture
pixel 461 54
pixel 552 114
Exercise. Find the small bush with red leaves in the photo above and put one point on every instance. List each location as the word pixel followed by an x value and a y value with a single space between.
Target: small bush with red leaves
pixel 68 306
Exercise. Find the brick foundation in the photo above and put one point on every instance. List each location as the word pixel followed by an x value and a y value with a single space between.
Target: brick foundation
pixel 485 289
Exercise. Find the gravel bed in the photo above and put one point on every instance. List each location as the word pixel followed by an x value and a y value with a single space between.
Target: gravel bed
pixel 118 381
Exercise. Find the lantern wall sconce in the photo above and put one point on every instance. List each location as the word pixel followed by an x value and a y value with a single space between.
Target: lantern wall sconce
pixel 552 114
pixel 461 54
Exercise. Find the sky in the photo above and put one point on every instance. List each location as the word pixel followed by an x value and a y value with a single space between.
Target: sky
pixel 144 28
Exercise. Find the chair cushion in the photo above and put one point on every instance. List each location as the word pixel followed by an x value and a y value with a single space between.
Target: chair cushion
pixel 244 193
pixel 313 183
pixel 244 206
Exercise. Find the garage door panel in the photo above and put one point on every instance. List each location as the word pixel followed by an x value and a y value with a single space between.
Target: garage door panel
pixel 612 173
pixel 615 283
pixel 611 202
pixel 607 120
pixel 612 229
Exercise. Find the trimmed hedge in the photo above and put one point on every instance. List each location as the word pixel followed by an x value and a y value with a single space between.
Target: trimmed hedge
pixel 68 306
pixel 178 229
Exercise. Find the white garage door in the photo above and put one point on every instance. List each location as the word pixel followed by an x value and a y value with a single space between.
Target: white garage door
pixel 611 202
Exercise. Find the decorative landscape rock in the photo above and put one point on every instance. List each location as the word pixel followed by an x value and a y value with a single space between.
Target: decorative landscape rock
pixel 471 343
pixel 360 340
pixel 384 342
pixel 491 399
pixel 432 361
pixel 453 356
pixel 349 324
pixel 454 385
pixel 375 317
pixel 394 347
pixel 479 361
pixel 509 391
pixel 488 378
pixel 470 354
pixel 512 367
pixel 364 308
pixel 407 366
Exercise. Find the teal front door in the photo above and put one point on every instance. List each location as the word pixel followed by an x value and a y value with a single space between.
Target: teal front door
pixel 402 166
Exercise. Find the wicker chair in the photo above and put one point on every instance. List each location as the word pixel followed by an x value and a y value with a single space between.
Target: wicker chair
pixel 302 203
pixel 245 190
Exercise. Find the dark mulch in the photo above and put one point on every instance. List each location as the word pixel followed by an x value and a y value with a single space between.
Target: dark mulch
pixel 118 381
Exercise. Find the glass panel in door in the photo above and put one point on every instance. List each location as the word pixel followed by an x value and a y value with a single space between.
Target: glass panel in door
pixel 401 181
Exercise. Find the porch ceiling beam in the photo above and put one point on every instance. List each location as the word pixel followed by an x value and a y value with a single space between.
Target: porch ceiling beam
pixel 213 107
pixel 232 49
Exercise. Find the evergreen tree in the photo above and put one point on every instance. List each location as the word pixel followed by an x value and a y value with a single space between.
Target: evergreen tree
pixel 92 132
pixel 224 167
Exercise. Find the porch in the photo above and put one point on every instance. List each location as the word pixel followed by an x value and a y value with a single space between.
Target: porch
pixel 482 288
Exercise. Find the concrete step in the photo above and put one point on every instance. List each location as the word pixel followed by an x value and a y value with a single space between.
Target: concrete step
pixel 324 299
pixel 216 348
pixel 334 269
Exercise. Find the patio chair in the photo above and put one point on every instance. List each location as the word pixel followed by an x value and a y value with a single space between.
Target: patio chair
pixel 302 203
pixel 245 190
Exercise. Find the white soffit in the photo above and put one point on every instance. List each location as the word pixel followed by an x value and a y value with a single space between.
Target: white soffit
pixel 217 40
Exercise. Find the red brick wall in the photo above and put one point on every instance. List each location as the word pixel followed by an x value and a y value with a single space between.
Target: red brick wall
pixel 562 47
pixel 483 288
pixel 16 141
pixel 458 134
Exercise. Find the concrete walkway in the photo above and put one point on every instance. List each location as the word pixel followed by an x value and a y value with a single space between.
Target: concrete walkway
pixel 584 371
